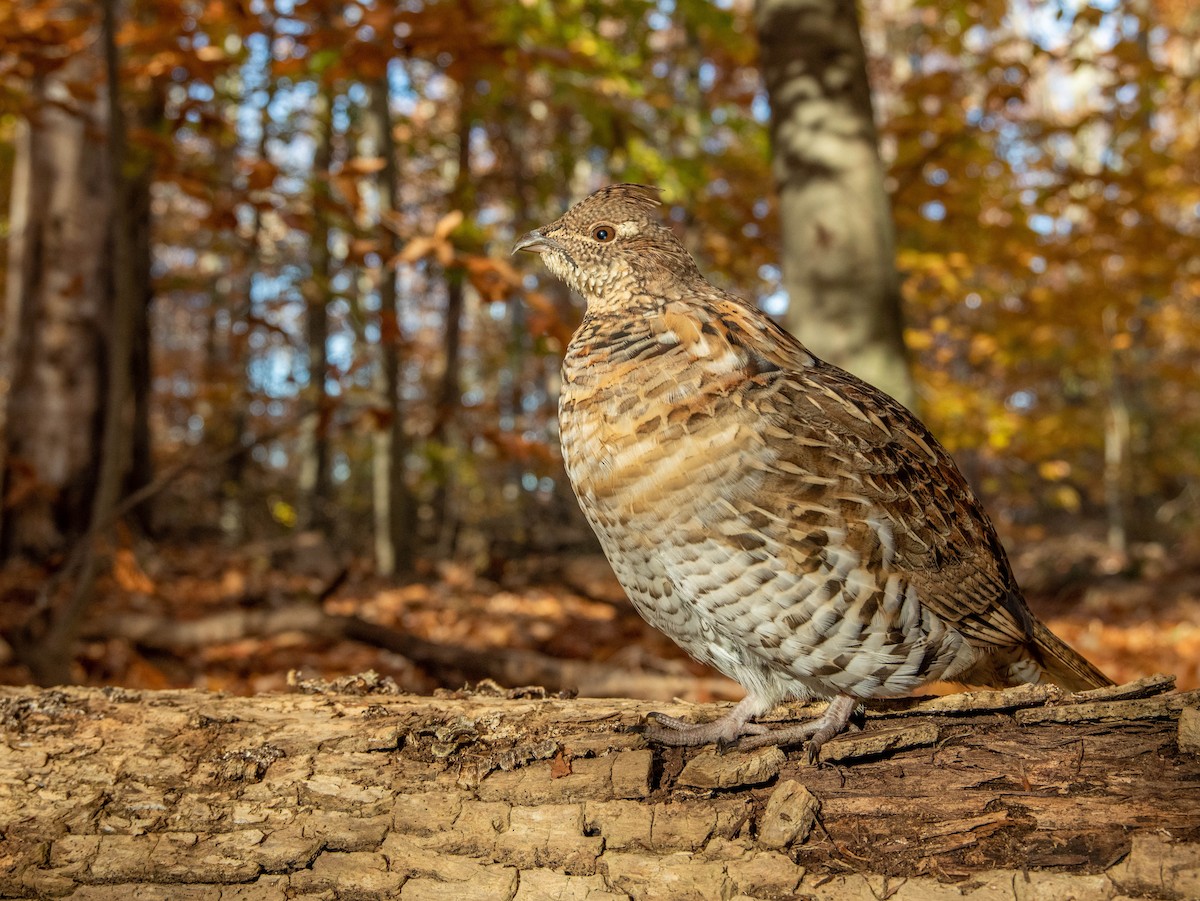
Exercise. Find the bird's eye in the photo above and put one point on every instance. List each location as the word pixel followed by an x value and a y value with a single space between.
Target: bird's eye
pixel 604 233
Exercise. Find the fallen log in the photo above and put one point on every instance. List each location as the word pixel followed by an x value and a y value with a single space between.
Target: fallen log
pixel 351 791
pixel 452 665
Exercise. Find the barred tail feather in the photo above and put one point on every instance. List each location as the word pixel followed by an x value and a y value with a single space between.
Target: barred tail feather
pixel 1064 666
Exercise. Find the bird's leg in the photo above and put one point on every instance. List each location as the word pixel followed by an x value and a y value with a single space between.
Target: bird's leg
pixel 816 732
pixel 668 730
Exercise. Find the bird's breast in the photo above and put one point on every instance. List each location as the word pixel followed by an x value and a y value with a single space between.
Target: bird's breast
pixel 639 433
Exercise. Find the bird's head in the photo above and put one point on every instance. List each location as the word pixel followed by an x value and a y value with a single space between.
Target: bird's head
pixel 612 243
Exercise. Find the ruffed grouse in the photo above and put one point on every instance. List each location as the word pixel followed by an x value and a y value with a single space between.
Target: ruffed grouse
pixel 779 519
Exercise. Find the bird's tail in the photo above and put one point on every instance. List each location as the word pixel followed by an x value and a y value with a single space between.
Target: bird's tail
pixel 1062 665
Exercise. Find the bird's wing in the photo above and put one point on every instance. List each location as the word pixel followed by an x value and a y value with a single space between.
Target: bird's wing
pixel 893 490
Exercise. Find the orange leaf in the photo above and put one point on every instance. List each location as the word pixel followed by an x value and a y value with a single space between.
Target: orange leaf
pixel 261 176
pixel 365 165
pixel 347 186
pixel 493 279
pixel 210 54
pixel 414 250
pixel 129 575
pixel 392 221
pixel 447 224
pixel 560 766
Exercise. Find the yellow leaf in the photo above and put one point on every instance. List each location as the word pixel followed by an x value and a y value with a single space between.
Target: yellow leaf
pixel 918 339
pixel 1066 497
pixel 1054 470
pixel 983 345
pixel 283 513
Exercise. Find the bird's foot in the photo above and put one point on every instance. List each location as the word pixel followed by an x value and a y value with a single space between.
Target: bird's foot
pixel 832 722
pixel 735 732
pixel 724 732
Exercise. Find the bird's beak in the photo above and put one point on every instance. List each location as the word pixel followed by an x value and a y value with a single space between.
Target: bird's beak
pixel 534 242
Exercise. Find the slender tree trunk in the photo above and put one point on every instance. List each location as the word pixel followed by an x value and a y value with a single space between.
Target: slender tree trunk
pixel 449 391
pixel 394 506
pixel 838 241
pixel 138 224
pixel 449 394
pixel 444 433
pixel 218 344
pixel 512 400
pixel 233 513
pixel 1118 431
pixel 315 486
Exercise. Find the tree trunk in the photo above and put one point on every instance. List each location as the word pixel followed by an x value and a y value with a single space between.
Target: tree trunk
pixel 315 487
pixel 58 306
pixel 838 239
pixel 233 482
pixel 351 791
pixel 138 223
pixel 449 392
pixel 50 656
pixel 77 339
pixel 394 506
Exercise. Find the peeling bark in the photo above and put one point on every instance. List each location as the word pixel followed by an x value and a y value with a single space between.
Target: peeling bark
pixel 108 793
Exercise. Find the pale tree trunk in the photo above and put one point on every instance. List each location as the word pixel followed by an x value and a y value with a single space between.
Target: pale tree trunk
pixel 1118 435
pixel 394 506
pixel 350 791
pixel 314 484
pixel 50 656
pixel 57 309
pixel 838 237
pixel 386 549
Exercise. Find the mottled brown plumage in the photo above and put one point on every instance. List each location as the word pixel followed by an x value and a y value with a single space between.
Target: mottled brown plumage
pixel 778 518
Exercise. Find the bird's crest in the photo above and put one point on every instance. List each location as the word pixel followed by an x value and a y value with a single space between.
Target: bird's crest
pixel 643 196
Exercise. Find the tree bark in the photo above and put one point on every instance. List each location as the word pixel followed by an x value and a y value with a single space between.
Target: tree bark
pixel 394 506
pixel 449 392
pixel 351 791
pixel 234 479
pixel 315 486
pixel 838 238
pixel 137 221
pixel 50 655
pixel 58 304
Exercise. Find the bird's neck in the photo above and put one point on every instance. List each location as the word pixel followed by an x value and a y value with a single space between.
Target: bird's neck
pixel 614 331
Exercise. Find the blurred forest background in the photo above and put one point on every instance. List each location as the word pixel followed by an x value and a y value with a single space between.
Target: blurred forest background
pixel 276 397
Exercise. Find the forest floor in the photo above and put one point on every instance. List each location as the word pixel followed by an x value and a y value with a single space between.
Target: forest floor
pixel 1130 619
